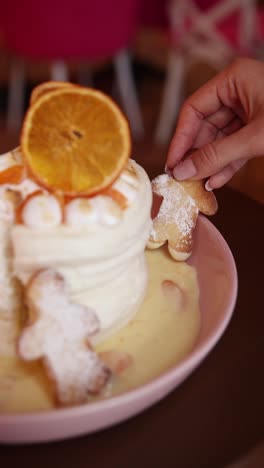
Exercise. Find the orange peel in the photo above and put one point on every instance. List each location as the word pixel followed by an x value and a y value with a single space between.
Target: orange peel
pixel 47 87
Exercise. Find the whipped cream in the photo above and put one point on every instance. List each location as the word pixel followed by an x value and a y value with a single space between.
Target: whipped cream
pixel 42 211
pixel 99 209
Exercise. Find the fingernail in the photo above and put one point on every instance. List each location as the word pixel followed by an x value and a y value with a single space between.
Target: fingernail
pixel 208 186
pixel 167 170
pixel 185 170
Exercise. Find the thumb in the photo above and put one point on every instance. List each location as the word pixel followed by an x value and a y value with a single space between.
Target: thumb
pixel 216 155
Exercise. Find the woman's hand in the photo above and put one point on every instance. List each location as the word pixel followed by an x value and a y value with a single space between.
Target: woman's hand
pixel 221 125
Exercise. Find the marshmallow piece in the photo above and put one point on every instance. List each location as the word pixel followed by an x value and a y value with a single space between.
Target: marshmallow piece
pixel 80 212
pixel 41 211
pixel 109 213
pixel 85 211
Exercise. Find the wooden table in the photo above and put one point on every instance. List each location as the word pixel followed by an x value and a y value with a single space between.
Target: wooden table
pixel 218 413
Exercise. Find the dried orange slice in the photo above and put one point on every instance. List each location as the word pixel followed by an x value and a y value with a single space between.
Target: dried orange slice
pixel 75 140
pixel 47 87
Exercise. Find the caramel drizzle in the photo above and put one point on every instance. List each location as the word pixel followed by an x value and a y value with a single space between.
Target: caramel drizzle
pixel 21 206
pixel 116 196
pixel 13 175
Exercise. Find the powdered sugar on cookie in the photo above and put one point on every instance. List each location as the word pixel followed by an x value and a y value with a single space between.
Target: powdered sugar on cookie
pixel 177 216
pixel 173 196
pixel 58 332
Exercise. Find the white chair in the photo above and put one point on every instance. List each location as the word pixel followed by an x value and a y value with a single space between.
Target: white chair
pixel 224 30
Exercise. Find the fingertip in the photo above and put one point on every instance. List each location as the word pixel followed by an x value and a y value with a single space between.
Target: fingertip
pixel 167 170
pixel 208 186
pixel 185 170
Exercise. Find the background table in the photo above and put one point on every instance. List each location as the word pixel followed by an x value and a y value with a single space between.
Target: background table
pixel 217 414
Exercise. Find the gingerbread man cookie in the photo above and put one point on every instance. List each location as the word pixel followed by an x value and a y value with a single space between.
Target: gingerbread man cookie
pixel 58 332
pixel 178 212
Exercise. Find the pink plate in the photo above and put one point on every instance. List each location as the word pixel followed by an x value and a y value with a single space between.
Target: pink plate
pixel 217 279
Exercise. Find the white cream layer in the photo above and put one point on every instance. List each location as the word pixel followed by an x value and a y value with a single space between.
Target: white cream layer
pixel 103 264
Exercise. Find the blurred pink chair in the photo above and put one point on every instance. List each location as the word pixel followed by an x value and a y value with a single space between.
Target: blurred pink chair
pixel 153 13
pixel 61 32
pixel 215 31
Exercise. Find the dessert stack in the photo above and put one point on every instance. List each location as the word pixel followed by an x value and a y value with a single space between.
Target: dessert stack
pixel 75 219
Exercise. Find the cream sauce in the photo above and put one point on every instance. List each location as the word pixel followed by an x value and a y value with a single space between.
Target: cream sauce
pixel 162 332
